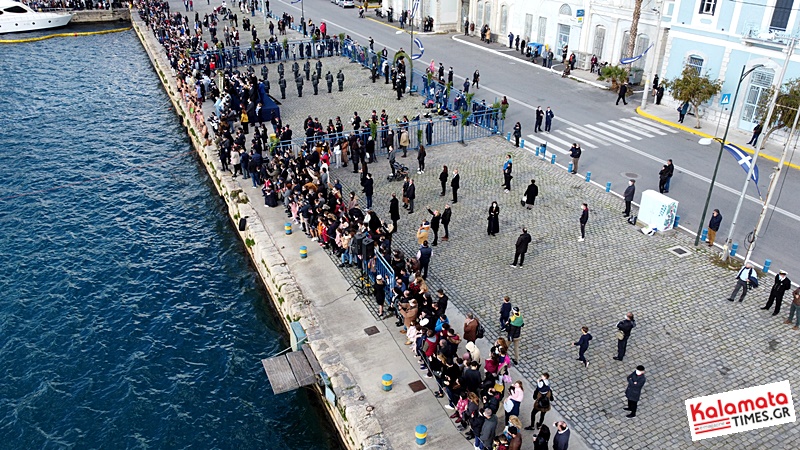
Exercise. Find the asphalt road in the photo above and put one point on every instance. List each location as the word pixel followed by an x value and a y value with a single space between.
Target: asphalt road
pixel 617 144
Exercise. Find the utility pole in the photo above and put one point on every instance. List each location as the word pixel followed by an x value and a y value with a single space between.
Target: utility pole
pixel 760 144
pixel 655 60
pixel 773 183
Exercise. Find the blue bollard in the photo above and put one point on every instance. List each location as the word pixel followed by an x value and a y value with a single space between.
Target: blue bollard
pixel 767 263
pixel 608 187
pixel 734 247
pixel 303 252
pixel 522 143
pixel 421 433
pixel 386 380
pixel 508 137
pixel 704 235
pixel 569 168
pixel 288 228
pixel 537 150
pixel 588 176
pixel 553 159
pixel 677 222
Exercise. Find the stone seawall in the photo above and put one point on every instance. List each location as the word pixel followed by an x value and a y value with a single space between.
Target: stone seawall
pixel 356 430
pixel 102 15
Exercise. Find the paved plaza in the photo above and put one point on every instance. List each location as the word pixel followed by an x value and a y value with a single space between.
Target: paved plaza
pixel 691 341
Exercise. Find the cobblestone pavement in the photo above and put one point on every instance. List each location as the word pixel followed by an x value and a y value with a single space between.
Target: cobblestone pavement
pixel 689 338
pixel 691 341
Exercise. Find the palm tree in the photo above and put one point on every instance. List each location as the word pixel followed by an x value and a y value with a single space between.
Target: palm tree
pixel 637 11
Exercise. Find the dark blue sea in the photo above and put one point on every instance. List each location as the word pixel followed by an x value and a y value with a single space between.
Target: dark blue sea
pixel 129 315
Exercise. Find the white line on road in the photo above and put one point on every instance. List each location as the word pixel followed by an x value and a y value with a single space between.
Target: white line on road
pixel 550 146
pixel 642 126
pixel 616 137
pixel 654 124
pixel 622 126
pixel 586 135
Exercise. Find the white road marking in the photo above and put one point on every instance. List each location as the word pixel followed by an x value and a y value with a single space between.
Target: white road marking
pixel 587 135
pixel 654 124
pixel 610 135
pixel 622 126
pixel 642 126
pixel 537 140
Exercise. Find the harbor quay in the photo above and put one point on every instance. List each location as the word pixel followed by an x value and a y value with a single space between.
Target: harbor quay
pixel 690 339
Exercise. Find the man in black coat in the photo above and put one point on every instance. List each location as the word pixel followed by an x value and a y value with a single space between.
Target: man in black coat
pixel 630 191
pixel 329 81
pixel 424 258
pixel 539 119
pixel 530 194
pixel 575 154
pixel 623 89
pixel 713 226
pixel 455 183
pixel 625 326
pixel 446 215
pixel 435 221
pixel 636 381
pixel 369 188
pixel 521 248
pixel 782 284
pixel 394 212
pixel 411 194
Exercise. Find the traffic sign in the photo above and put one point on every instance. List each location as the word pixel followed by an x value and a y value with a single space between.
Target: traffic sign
pixel 726 98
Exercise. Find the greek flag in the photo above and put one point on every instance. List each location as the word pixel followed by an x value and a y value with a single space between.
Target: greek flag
pixel 414 8
pixel 296 1
pixel 421 48
pixel 635 58
pixel 744 160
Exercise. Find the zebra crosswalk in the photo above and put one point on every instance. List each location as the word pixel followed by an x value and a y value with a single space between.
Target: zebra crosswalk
pixel 600 134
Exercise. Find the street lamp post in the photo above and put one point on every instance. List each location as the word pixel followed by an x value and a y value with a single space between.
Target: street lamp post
pixel 654 59
pixel 721 148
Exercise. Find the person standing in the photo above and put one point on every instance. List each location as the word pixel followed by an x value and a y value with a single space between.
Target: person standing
pixel 670 172
pixel 575 154
pixel 548 119
pixel 505 313
pixel 633 392
pixel 511 40
pixel 756 133
pixel 682 110
pixel 411 194
pixel 488 430
pixel 470 328
pixel 659 94
pixel 435 221
pixel 583 220
pixel 541 401
pixel 663 174
pixel 515 324
pixel 541 438
pixel 421 159
pixel 624 328
pixel 517 133
pixel 794 309
pixel 521 247
pixel 623 90
pixel 561 439
pixel 379 290
pixel 455 183
pixel 394 211
pixel 476 78
pixel 742 280
pixel 782 284
pixel 583 345
pixel 515 443
pixel 630 191
pixel 424 258
pixel 446 216
pixel 530 194
pixel 443 176
pixel 494 220
pixel 713 226
pixel 369 187
pixel 507 170
pixel 539 119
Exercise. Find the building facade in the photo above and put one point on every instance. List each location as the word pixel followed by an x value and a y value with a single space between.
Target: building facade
pixel 720 38
pixel 445 13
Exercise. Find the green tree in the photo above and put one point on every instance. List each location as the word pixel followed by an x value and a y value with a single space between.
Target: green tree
pixel 786 106
pixel 694 88
pixel 615 74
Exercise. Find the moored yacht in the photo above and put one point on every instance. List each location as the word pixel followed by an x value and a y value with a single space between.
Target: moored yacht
pixel 16 17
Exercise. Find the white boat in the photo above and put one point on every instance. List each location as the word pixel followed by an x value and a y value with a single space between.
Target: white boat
pixel 16 17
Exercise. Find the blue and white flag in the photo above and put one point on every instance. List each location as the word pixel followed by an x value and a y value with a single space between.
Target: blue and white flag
pixel 635 58
pixel 416 56
pixel 414 8
pixel 296 1
pixel 744 160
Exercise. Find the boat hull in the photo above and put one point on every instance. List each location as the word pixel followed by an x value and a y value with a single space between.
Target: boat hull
pixel 39 21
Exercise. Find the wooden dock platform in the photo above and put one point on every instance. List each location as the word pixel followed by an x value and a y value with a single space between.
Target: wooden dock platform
pixel 292 370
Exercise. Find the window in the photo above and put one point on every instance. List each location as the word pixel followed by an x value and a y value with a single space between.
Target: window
pixel 708 7
pixel 626 39
pixel 479 17
pixel 642 42
pixel 541 30
pixel 563 36
pixel 503 20
pixel 599 41
pixel 528 26
pixel 565 10
pixel 16 9
pixel 780 16
pixel 487 14
pixel 760 82
pixel 696 63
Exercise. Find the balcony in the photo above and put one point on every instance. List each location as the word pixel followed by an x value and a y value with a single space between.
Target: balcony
pixel 769 38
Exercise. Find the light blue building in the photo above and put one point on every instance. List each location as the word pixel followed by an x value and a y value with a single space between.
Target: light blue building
pixel 719 37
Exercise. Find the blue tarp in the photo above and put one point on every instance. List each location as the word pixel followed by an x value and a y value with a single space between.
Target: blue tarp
pixel 269 109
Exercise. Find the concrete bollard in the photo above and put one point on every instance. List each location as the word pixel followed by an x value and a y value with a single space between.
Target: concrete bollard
pixel 387 382
pixel 704 235
pixel 288 228
pixel 421 433
pixel 767 263
pixel 553 159
pixel 608 187
pixel 734 247
pixel 588 176
pixel 522 143
pixel 508 137
pixel 303 252
pixel 569 168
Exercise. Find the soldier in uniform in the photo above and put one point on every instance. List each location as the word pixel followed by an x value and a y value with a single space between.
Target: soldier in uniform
pixel 374 68
pixel 280 70
pixel 295 68
pixel 307 70
pixel 266 85
pixel 299 81
pixel 319 69
pixel 282 85
pixel 315 82
pixel 264 72
pixel 329 80
pixel 340 80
